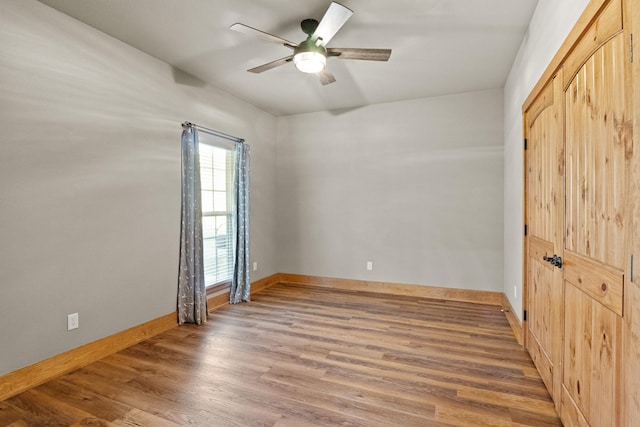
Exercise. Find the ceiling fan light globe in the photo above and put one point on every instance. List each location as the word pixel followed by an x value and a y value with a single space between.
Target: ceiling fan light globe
pixel 310 62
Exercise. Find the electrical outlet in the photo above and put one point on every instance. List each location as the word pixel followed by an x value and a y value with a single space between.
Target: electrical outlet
pixel 255 265
pixel 369 265
pixel 73 322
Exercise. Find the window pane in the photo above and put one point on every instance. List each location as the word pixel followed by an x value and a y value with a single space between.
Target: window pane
pixel 206 151
pixel 208 227
pixel 207 201
pixel 219 158
pixel 219 180
pixel 209 255
pixel 221 225
pixel 220 201
pixel 206 161
pixel 206 178
pixel 217 249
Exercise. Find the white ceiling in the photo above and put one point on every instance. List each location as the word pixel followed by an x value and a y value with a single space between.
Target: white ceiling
pixel 439 46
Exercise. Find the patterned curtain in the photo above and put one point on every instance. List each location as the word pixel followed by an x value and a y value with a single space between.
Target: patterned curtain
pixel 241 286
pixel 192 297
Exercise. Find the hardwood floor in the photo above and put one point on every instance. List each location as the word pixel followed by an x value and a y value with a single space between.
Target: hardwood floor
pixel 307 356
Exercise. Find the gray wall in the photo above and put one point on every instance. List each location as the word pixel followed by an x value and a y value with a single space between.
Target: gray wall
pixel 415 187
pixel 550 25
pixel 90 181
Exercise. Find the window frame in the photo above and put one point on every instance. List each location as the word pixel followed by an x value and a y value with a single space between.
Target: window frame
pixel 216 285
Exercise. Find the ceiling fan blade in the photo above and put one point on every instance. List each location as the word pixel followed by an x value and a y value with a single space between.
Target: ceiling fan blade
pixel 356 53
pixel 333 19
pixel 272 64
pixel 245 29
pixel 326 77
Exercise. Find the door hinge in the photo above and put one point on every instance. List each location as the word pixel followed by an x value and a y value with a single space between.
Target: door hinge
pixel 631 47
pixel 631 270
pixel 525 143
pixel 525 315
pixel 526 229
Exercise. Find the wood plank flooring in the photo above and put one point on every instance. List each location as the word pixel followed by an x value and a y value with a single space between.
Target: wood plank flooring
pixel 307 356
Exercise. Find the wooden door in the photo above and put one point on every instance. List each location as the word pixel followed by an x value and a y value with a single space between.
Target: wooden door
pixel 598 144
pixel 544 217
pixel 631 325
pixel 597 371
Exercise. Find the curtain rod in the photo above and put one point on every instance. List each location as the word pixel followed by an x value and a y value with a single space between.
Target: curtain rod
pixel 186 125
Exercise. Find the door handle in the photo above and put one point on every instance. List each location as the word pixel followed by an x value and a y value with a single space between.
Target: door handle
pixel 554 260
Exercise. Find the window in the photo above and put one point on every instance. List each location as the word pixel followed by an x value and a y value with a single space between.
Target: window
pixel 216 176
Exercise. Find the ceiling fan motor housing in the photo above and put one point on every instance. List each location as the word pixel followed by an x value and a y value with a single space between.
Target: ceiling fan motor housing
pixel 310 45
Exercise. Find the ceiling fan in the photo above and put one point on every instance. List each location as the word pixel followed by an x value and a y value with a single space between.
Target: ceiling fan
pixel 310 55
